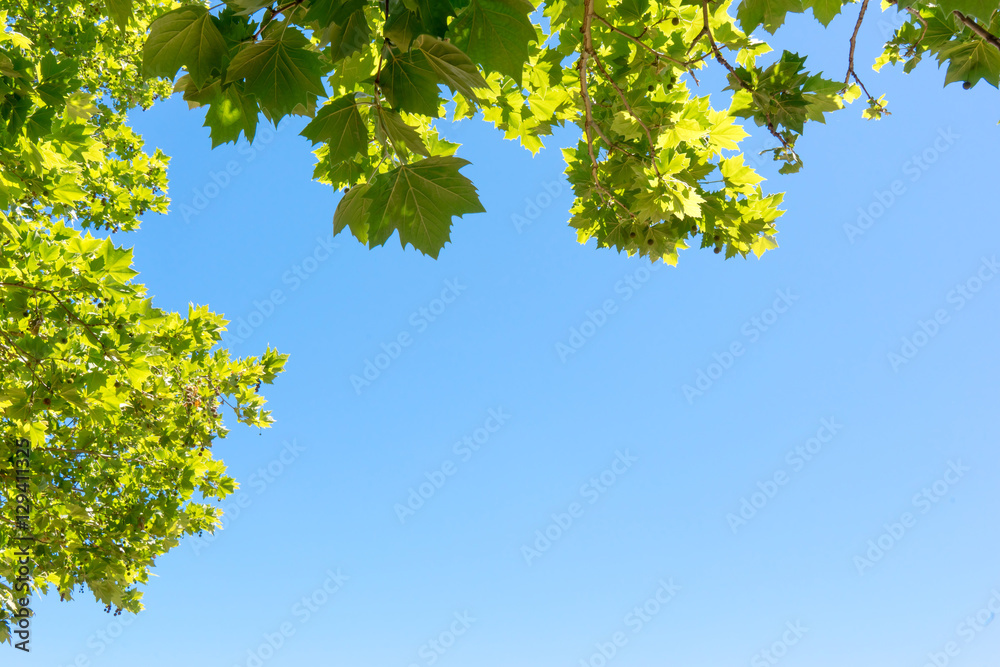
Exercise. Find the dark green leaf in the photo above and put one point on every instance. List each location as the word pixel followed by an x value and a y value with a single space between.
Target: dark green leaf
pixel 120 11
pixel 410 84
pixel 495 34
pixel 418 200
pixel 341 126
pixel 399 133
pixel 231 113
pixel 280 71
pixel 348 37
pixel 769 13
pixel 185 37
pixel 452 66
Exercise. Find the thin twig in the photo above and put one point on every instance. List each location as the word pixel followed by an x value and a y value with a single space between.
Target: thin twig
pixel 88 452
pixel 641 43
pixel 642 124
pixel 28 358
pixel 923 31
pixel 588 116
pixel 854 40
pixel 707 31
pixel 61 305
pixel 850 60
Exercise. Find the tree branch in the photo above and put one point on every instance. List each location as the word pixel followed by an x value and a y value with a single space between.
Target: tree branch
pixel 642 124
pixel 683 63
pixel 978 29
pixel 28 358
pixel 923 31
pixel 587 48
pixel 854 40
pixel 850 60
pixel 62 305
pixel 706 30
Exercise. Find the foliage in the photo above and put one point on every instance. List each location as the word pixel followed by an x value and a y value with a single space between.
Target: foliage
pixel 657 167
pixel 119 400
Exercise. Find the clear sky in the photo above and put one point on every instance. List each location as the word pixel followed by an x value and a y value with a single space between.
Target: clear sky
pixel 489 499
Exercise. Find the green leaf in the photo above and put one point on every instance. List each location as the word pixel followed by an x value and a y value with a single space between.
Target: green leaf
pixel 341 126
pixel 737 174
pixel 40 123
pixel 418 200
pixel 980 9
pixel 452 66
pixel 8 229
pixel 120 11
pixel 762 244
pixel 435 14
pixel 229 114
pixel 115 263
pixel 824 10
pixel 350 36
pixel 399 133
pixel 769 13
pixel 80 106
pixel 185 37
pixel 324 12
pixel 402 26
pixel 971 61
pixel 410 83
pixel 495 34
pixel 724 133
pixel 280 71
pixel 352 211
pixel 67 191
pixel 250 6
pixel 194 96
pixel 633 10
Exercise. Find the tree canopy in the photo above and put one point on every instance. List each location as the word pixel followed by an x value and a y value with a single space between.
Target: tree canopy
pixel 656 169
pixel 122 401
pixel 119 400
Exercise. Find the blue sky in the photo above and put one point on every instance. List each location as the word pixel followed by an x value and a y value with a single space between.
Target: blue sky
pixel 582 508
